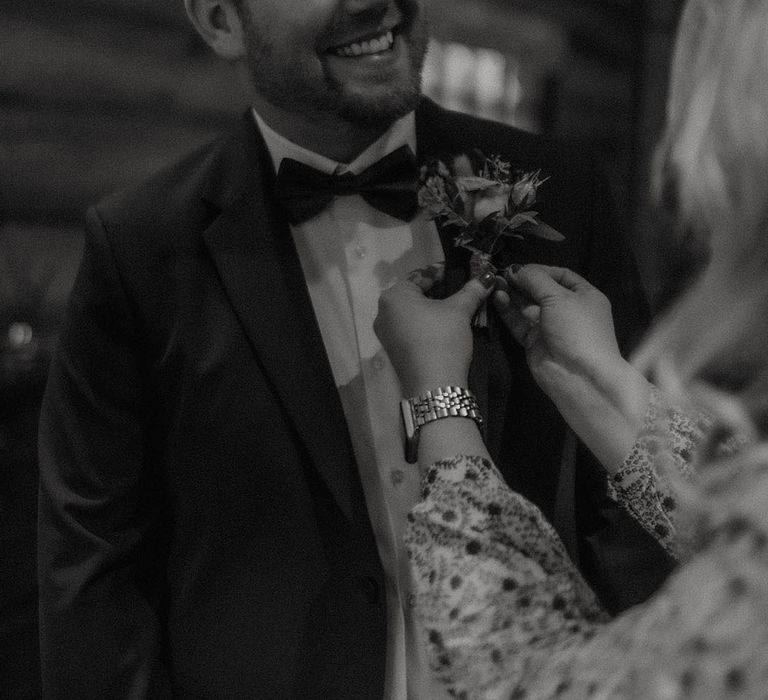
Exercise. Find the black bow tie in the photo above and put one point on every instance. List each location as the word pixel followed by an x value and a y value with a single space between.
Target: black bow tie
pixel 389 185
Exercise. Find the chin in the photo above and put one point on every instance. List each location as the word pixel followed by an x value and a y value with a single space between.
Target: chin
pixel 379 110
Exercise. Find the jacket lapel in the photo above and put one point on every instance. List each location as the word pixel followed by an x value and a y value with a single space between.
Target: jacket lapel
pixel 252 248
pixel 433 142
pixel 516 411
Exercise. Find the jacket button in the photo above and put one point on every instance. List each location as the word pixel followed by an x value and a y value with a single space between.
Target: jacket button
pixel 369 587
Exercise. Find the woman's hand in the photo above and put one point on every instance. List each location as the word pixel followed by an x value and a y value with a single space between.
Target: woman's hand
pixel 563 323
pixel 429 341
pixel 566 327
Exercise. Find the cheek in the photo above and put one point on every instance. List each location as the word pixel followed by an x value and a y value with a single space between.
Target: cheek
pixel 302 27
pixel 292 31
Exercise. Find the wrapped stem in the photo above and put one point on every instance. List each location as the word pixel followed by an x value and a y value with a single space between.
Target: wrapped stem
pixel 479 264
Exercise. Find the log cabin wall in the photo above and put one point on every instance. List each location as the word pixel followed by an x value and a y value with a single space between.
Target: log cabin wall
pixel 95 94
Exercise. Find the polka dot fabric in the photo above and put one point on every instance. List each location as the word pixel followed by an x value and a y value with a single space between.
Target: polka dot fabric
pixel 507 615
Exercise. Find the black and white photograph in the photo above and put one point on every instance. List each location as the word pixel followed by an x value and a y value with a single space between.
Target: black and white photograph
pixel 384 350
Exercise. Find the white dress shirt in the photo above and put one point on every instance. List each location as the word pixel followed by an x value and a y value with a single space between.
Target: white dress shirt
pixel 349 253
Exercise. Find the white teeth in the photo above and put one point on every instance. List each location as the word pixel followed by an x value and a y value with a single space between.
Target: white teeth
pixel 367 48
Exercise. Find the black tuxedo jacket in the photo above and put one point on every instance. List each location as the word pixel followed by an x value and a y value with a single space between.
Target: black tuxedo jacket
pixel 203 530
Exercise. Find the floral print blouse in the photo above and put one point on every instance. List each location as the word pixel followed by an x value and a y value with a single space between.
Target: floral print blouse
pixel 507 615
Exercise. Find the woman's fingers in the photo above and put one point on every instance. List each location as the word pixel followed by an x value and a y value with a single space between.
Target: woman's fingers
pixel 540 282
pixel 468 298
pixel 425 277
pixel 474 292
pixel 517 312
pixel 567 278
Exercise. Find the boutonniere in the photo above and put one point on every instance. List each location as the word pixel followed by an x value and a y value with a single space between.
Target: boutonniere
pixel 491 207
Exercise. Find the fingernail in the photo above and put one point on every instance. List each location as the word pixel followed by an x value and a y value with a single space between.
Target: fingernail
pixel 501 284
pixel 514 268
pixel 488 279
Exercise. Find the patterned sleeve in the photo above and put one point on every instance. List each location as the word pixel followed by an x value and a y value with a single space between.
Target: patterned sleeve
pixel 507 615
pixel 661 456
pixel 492 580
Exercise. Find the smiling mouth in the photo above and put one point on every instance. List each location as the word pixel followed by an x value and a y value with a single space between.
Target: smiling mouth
pixel 369 46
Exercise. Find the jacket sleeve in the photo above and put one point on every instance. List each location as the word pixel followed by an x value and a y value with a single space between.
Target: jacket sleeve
pixel 99 620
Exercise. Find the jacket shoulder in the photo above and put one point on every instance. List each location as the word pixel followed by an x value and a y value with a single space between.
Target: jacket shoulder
pixel 164 201
pixel 448 132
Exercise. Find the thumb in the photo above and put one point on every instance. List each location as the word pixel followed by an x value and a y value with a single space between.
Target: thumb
pixel 536 281
pixel 475 292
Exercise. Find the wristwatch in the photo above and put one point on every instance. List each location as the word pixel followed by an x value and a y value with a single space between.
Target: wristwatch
pixel 443 402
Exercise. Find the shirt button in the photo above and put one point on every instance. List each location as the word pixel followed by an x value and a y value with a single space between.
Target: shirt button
pixel 411 600
pixel 397 476
pixel 378 362
pixel 360 251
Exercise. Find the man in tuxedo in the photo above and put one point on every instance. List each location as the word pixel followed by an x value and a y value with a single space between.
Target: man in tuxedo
pixel 223 486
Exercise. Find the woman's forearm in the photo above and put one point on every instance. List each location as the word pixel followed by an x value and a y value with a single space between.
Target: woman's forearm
pixel 606 410
pixel 448 437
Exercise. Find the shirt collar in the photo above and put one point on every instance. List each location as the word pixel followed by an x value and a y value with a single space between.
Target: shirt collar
pixel 401 133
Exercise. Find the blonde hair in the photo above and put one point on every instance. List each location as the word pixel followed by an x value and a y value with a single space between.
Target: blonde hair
pixel 713 342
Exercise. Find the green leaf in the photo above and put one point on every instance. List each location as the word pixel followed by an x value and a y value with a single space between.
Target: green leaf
pixel 488 224
pixel 467 246
pixel 523 218
pixel 545 231
pixel 474 183
pixel 453 218
pixel 513 233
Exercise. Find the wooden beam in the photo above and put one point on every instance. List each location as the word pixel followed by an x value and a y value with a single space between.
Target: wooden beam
pixel 37 261
pixel 137 13
pixel 87 64
pixel 598 18
pixel 496 27
pixel 55 164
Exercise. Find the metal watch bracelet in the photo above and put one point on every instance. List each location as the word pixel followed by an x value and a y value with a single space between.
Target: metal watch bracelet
pixel 443 402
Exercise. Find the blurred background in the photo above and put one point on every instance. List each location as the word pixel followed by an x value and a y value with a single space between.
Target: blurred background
pixel 95 94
